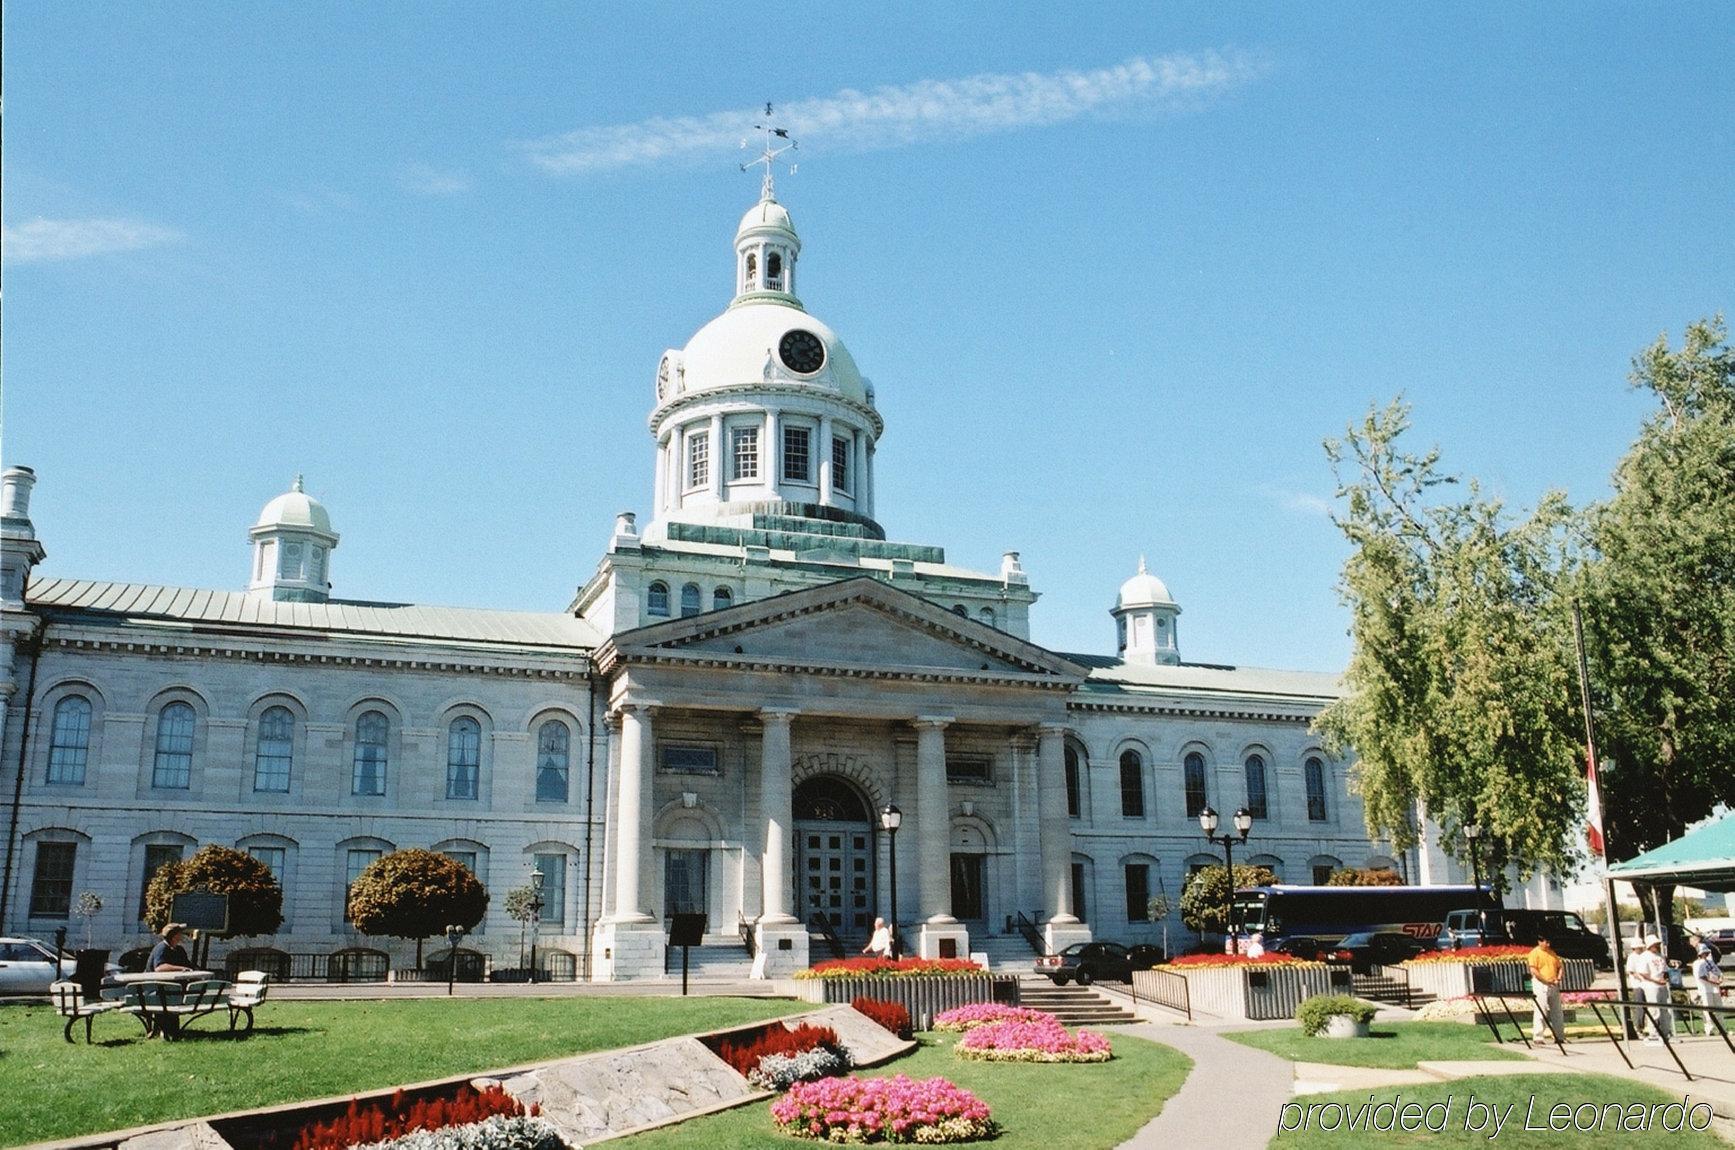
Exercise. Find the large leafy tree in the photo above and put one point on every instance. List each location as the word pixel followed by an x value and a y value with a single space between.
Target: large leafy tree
pixel 1364 876
pixel 255 898
pixel 1202 902
pixel 415 894
pixel 1458 702
pixel 1659 594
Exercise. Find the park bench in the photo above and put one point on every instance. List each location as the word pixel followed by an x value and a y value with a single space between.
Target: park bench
pixel 164 1007
pixel 71 1004
pixel 249 991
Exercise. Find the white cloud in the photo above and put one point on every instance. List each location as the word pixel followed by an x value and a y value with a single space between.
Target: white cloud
pixel 927 109
pixel 428 181
pixel 1301 502
pixel 41 240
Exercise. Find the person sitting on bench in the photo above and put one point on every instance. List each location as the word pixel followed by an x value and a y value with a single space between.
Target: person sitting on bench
pixel 169 954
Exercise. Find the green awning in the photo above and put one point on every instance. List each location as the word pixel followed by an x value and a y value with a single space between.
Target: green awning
pixel 1703 857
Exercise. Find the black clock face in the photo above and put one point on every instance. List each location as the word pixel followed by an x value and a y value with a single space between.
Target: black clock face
pixel 801 352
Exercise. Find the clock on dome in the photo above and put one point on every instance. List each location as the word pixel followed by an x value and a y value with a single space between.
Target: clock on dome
pixel 663 379
pixel 801 352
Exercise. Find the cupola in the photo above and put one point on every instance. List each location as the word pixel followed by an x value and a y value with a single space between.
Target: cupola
pixel 766 248
pixel 1145 620
pixel 292 545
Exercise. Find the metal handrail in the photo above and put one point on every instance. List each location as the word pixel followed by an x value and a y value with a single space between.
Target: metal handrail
pixel 1027 927
pixel 746 931
pixel 1650 1012
pixel 1182 1002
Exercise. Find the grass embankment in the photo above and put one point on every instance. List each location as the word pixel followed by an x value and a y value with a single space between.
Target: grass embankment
pixel 1038 1106
pixel 1393 1046
pixel 1513 1100
pixel 302 1050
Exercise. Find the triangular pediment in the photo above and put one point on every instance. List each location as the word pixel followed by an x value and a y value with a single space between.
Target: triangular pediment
pixel 861 623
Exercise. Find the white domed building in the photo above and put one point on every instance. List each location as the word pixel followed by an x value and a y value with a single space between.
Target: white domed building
pixel 716 725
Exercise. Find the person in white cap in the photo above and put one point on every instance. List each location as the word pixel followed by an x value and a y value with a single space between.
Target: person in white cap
pixel 1653 974
pixel 1637 988
pixel 1709 975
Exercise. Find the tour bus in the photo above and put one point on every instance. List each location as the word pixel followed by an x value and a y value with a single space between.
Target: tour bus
pixel 1328 913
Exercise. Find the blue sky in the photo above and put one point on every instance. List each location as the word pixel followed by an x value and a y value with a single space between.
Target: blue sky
pixel 1114 275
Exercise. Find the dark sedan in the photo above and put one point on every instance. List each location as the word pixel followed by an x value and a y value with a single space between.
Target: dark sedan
pixel 1088 962
pixel 1366 950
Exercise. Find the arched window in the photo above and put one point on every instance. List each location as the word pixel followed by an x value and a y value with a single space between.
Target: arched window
pixel 1193 772
pixel 690 600
pixel 69 744
pixel 752 271
pixel 961 610
pixel 657 598
pixel 1315 770
pixel 774 271
pixel 275 753
pixel 463 757
pixel 1074 798
pixel 1256 799
pixel 172 769
pixel 722 597
pixel 369 774
pixel 1132 785
pixel 553 761
pixel 986 615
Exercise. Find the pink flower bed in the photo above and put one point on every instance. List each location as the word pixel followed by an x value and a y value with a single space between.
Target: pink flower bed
pixel 984 1013
pixel 896 1109
pixel 1033 1042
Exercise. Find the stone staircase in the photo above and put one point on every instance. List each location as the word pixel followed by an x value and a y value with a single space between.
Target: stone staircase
pixel 1007 953
pixel 1073 1005
pixel 714 960
pixel 1382 988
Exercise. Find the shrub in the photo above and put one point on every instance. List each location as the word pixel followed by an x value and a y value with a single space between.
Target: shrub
pixel 383 1119
pixel 1033 1042
pixel 415 894
pixel 1203 897
pixel 1364 876
pixel 744 1050
pixel 896 1109
pixel 891 1015
pixel 888 967
pixel 781 1071
pixel 975 1014
pixel 497 1133
pixel 255 898
pixel 1313 1012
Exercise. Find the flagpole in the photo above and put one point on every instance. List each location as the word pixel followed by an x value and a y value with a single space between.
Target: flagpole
pixel 1611 911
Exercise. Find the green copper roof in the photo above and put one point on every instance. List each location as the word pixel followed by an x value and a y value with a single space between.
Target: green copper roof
pixel 1704 857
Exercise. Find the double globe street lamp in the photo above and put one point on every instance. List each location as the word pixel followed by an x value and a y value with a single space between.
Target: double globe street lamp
pixel 537 878
pixel 1243 824
pixel 890 819
pixel 1472 834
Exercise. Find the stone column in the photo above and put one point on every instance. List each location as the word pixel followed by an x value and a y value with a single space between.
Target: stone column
pixel 940 931
pixel 1063 928
pixel 719 457
pixel 776 796
pixel 823 450
pixel 632 829
pixel 771 451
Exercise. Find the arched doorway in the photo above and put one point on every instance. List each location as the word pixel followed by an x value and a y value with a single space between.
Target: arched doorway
pixel 834 851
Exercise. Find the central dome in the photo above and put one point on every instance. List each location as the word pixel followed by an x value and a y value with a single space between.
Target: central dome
pixel 746 345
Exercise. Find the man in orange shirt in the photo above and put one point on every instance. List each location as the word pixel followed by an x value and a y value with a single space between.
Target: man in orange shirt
pixel 1545 971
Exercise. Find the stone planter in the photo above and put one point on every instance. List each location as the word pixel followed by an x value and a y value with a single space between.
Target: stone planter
pixel 1343 1026
pixel 1500 976
pixel 1254 993
pixel 921 995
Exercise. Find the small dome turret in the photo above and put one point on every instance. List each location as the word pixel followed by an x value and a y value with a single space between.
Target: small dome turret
pixel 292 544
pixel 1146 620
pixel 1143 590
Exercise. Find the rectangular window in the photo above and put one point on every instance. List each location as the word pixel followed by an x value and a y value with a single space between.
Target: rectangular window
pixel 156 854
pixel 969 768
pixel 1315 791
pixel 1138 892
pixel 1132 786
pixel 1078 907
pixel 797 460
pixel 355 862
pixel 553 868
pixel 1322 874
pixel 273 858
pixel 689 759
pixel 466 859
pixel 840 449
pixel 699 459
pixel 744 453
pixel 686 882
pixel 1193 770
pixel 51 886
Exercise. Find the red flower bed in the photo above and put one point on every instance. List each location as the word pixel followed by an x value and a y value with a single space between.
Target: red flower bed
pixel 891 1015
pixel 1474 954
pixel 884 967
pixel 380 1118
pixel 1196 961
pixel 744 1052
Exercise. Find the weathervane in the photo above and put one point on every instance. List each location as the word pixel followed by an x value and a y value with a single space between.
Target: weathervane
pixel 772 150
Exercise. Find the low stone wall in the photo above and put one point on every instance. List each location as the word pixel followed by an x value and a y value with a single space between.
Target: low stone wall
pixel 1500 976
pixel 1255 994
pixel 921 995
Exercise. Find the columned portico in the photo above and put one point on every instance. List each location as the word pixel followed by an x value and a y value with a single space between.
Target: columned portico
pixel 1062 927
pixel 940 932
pixel 629 942
pixel 780 940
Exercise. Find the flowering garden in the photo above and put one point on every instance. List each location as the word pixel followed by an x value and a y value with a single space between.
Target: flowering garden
pixel 1469 955
pixel 888 968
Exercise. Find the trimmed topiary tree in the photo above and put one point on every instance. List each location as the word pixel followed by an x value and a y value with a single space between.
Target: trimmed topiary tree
pixel 255 898
pixel 415 894
pixel 1315 1012
pixel 1364 876
pixel 1202 901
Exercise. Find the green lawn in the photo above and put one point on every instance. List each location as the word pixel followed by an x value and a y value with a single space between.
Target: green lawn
pixel 1039 1107
pixel 311 1050
pixel 1515 1092
pixel 1394 1045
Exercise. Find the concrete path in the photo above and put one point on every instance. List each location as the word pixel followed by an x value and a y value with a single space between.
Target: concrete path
pixel 1228 1081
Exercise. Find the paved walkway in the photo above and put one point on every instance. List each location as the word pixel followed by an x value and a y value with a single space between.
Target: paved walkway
pixel 1226 1076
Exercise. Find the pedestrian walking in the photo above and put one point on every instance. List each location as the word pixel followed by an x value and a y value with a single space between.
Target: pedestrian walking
pixel 1653 981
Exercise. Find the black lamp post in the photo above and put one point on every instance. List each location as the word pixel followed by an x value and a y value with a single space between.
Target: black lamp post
pixel 454 935
pixel 891 818
pixel 537 878
pixel 1473 833
pixel 1243 824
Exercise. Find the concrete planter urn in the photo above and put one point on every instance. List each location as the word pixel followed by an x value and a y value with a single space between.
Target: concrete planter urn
pixel 1343 1026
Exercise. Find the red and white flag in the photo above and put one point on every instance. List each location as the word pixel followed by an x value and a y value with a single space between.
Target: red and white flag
pixel 1593 823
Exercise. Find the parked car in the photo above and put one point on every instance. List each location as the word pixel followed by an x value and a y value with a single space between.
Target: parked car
pixel 27 966
pixel 1088 962
pixel 1368 949
pixel 1301 946
pixel 1464 928
pixel 1570 936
